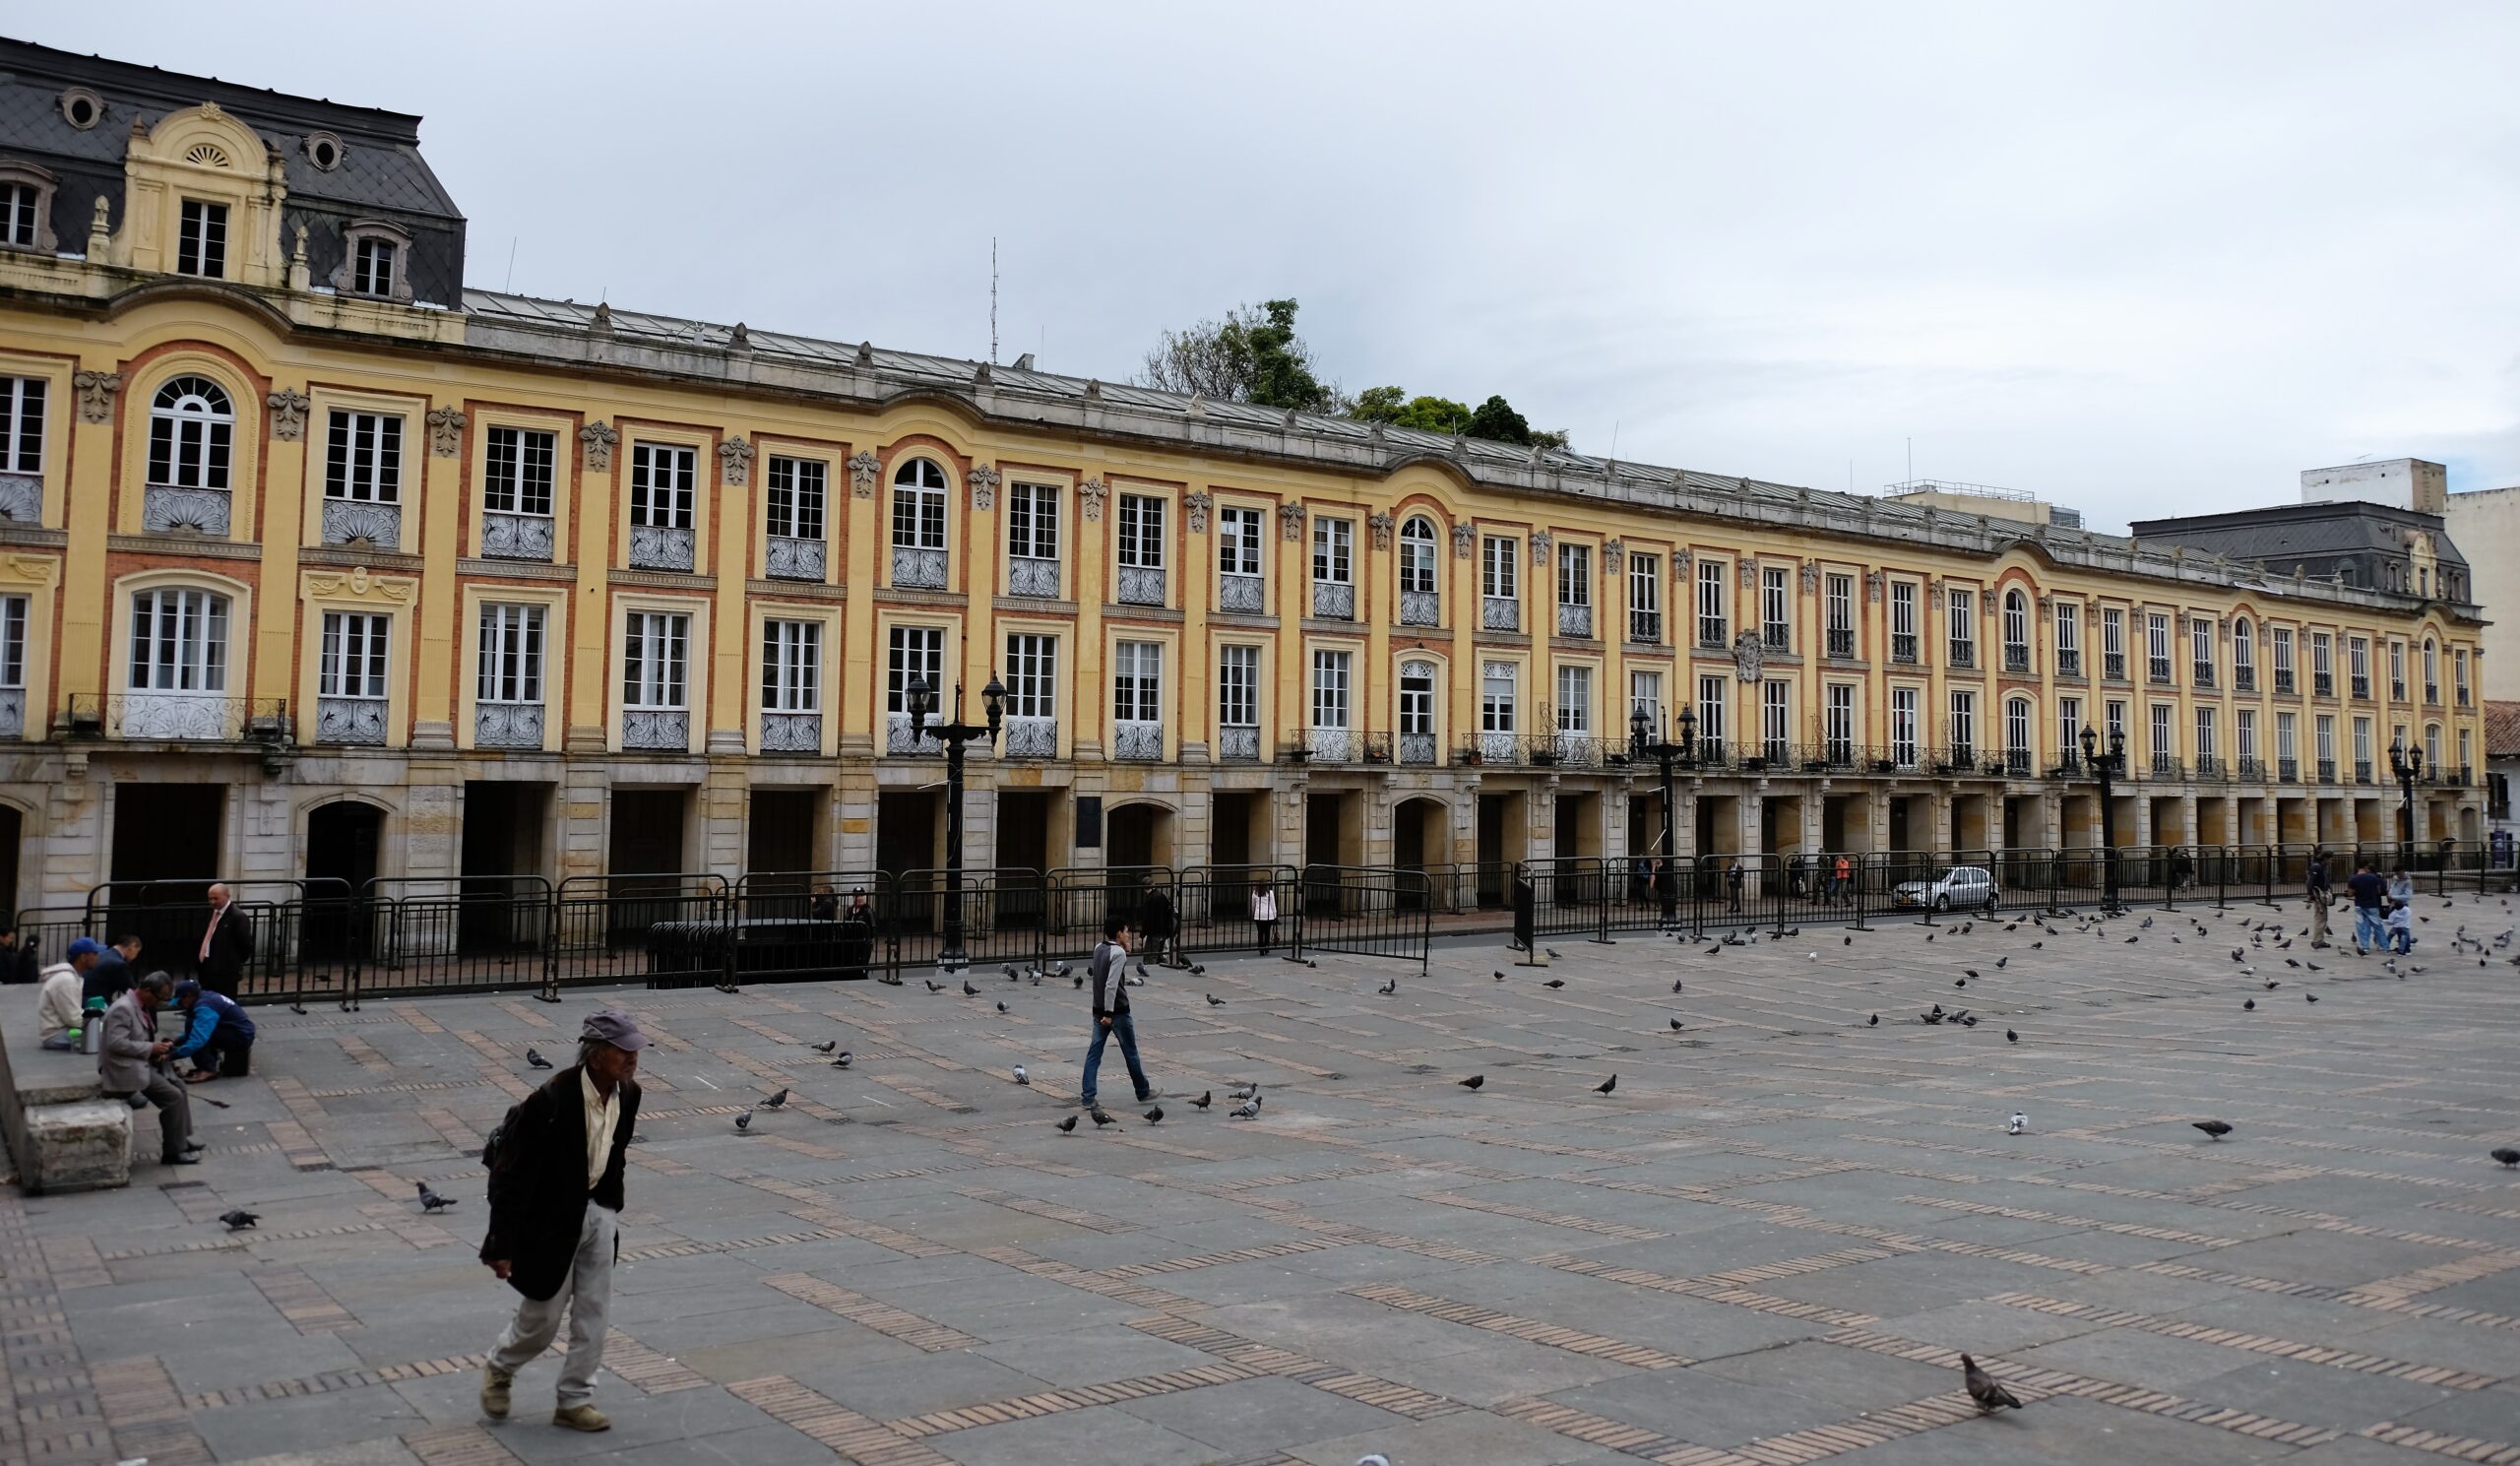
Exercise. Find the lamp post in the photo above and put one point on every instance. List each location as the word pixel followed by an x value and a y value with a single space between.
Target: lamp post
pixel 2106 766
pixel 1642 742
pixel 954 735
pixel 2408 765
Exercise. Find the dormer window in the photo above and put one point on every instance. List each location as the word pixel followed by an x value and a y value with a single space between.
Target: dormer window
pixel 80 108
pixel 324 150
pixel 25 206
pixel 375 261
pixel 200 244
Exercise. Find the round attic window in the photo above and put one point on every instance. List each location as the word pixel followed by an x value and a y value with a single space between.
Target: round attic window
pixel 82 108
pixel 324 150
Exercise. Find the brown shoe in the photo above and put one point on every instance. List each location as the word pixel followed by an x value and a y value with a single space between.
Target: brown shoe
pixel 581 1418
pixel 494 1392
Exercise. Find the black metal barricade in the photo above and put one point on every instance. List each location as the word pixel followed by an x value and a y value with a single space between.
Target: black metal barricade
pixel 923 907
pixel 170 916
pixel 670 930
pixel 1365 911
pixel 470 934
pixel 805 925
pixel 1215 907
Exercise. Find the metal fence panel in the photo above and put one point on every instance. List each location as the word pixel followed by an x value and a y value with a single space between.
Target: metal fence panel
pixel 805 925
pixel 1367 911
pixel 667 931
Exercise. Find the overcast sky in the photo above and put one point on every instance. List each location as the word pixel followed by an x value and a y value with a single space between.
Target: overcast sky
pixel 2142 260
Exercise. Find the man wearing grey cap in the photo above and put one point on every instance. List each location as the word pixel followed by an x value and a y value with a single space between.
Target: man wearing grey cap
pixel 555 1204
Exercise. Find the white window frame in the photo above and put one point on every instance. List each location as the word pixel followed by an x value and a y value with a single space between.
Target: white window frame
pixel 22 404
pixel 655 660
pixel 1417 556
pixel 1575 575
pixel 1775 606
pixel 1839 725
pixel 200 239
pixel 2017 725
pixel 374 264
pixel 791 666
pixel 1776 717
pixel 1574 698
pixel 1645 690
pixel 1239 540
pixel 1138 537
pixel 192 424
pixel 1903 725
pixel 1333 688
pixel 1499 567
pixel 2244 734
pixel 179 640
pixel 663 480
pixel 1498 691
pixel 1238 685
pixel 1960 625
pixel 1137 681
pixel 1334 550
pixel 363 456
pixel 1417 697
pixel 913 651
pixel 1033 521
pixel 1713 699
pixel 1962 727
pixel 1032 675
pixel 351 661
pixel 519 470
pixel 919 487
pixel 508 670
pixel 796 498
pixel 14 611
pixel 1714 627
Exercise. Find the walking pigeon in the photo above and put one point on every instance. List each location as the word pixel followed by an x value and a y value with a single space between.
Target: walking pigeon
pixel 1472 1082
pixel 431 1202
pixel 2214 1128
pixel 533 1061
pixel 1982 1388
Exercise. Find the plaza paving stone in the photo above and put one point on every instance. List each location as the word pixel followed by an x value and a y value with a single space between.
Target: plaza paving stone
pixel 1766 1248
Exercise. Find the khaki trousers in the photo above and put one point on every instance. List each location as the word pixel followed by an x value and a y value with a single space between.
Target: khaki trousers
pixel 587 1296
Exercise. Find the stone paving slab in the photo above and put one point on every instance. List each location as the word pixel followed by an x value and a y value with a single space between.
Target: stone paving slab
pixel 1765 1247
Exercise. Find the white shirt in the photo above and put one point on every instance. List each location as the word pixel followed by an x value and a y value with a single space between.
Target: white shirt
pixel 603 1112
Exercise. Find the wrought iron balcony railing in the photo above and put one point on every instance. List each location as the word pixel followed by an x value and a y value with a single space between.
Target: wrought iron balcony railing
pixel 2204 675
pixel 1903 646
pixel 2284 683
pixel 2113 666
pixel 22 497
pixel 1342 745
pixel 2167 766
pixel 1030 737
pixel 1031 577
pixel 507 724
pixel 2327 771
pixel 1141 585
pixel 1963 654
pixel 1334 599
pixel 1645 628
pixel 1500 613
pixel 1240 745
pixel 1574 620
pixel 2252 770
pixel 2157 670
pixel 1711 633
pixel 2069 661
pixel 660 547
pixel 2209 767
pixel 2243 679
pixel 517 536
pixel 1777 638
pixel 13 713
pixel 351 721
pixel 2323 684
pixel 1137 741
pixel 166 509
pixel 1841 642
pixel 2016 657
pixel 791 733
pixel 791 558
pixel 178 717
pixel 2288 771
pixel 921 569
pixel 361 521
pixel 2359 688
pixel 1416 749
pixel 662 728
pixel 1245 594
pixel 1420 608
pixel 2432 693
pixel 900 740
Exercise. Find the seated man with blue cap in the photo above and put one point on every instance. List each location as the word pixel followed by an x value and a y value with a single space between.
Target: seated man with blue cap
pixel 217 1036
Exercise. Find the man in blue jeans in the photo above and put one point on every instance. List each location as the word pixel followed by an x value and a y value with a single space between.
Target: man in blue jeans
pixel 1108 973
pixel 2370 920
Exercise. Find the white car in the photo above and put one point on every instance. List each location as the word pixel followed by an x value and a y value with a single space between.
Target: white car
pixel 1961 886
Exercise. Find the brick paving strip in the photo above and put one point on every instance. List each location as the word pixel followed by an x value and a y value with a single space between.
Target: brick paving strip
pixel 300 1300
pixel 843 1432
pixel 1718 1287
pixel 295 1135
pixel 146 1413
pixel 635 1364
pixel 1269 1358
pixel 2441 1443
pixel 920 1333
pixel 1530 1331
pixel 2231 1338
pixel 459 1445
pixel 1074 1397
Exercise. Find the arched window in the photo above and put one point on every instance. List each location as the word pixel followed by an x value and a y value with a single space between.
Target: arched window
pixel 2016 631
pixel 1417 556
pixel 190 429
pixel 918 524
pixel 2431 670
pixel 178 641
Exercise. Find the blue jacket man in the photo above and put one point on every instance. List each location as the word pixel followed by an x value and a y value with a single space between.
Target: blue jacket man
pixel 218 1036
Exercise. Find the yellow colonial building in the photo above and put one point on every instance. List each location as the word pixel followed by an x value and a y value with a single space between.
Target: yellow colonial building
pixel 315 563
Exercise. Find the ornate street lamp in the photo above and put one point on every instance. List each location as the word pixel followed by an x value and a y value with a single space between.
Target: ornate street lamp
pixel 1642 742
pixel 2408 765
pixel 2106 766
pixel 954 735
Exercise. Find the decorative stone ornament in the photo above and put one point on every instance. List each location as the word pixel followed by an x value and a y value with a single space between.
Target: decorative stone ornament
pixel 1749 657
pixel 445 431
pixel 601 325
pixel 1810 575
pixel 1542 543
pixel 1197 506
pixel 862 468
pixel 96 390
pixel 740 340
pixel 1464 541
pixel 1091 494
pixel 1749 574
pixel 1613 558
pixel 984 479
pixel 1381 523
pixel 1681 561
pixel 1290 522
pixel 735 461
pixel 288 413
pixel 598 438
pixel 1873 587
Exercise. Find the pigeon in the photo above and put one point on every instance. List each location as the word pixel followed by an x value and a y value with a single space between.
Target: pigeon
pixel 2505 1154
pixel 1553 953
pixel 1990 1395
pixel 1010 971
pixel 239 1219
pixel 2130 942
pixel 843 1059
pixel 1847 942
pixel 1215 1002
pixel 2291 962
pixel 2312 996
pixel 1675 1025
pixel 1962 982
pixel 1001 1007
pixel 743 1122
pixel 2018 1123
pixel 1021 1077
pixel 2146 926
pixel 1390 988
pixel 1606 1085
pixel 827 1047
pixel 1155 1117
pixel 1500 975
pixel 969 991
pixel 933 985
pixel 2011 1037
pixel 2214 1128
pixel 1971 970
pixel 2272 984
pixel 1675 984
pixel 431 1202
pixel 1067 1126
pixel 1100 1119
pixel 1375 1459
pixel 1197 971
pixel 1206 1097
pixel 1873 1022
pixel 533 1061
pixel 776 1101
pixel 1969 1020
pixel 1242 1091
pixel 2000 961
pixel 1554 982
pixel 1080 981
pixel 2248 1005
pixel 1472 1082
pixel 1250 1111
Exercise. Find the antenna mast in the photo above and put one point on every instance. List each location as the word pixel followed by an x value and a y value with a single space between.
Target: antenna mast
pixel 993 299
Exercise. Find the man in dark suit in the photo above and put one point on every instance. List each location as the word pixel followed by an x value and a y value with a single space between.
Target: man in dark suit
pixel 555 1206
pixel 226 945
pixel 114 972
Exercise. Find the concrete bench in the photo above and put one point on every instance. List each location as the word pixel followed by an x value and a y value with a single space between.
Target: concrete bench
pixel 82 1146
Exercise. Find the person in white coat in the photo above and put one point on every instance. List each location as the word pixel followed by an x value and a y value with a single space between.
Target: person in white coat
pixel 1264 913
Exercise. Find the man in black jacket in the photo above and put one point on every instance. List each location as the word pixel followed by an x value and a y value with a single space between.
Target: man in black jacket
pixel 555 1206
pixel 227 944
